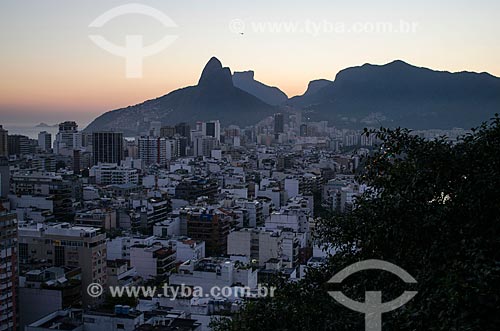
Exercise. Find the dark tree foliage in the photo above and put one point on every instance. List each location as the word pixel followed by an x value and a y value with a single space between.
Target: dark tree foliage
pixel 434 210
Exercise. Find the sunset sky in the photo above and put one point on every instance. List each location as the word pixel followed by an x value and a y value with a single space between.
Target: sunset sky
pixel 51 71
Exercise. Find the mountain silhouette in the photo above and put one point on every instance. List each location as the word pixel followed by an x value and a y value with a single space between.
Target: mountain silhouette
pixel 269 94
pixel 394 94
pixel 399 94
pixel 313 87
pixel 215 97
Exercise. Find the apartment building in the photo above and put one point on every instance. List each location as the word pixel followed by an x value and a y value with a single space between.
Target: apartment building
pixel 62 244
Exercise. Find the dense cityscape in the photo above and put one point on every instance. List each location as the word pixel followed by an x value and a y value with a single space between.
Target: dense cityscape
pixel 199 206
pixel 249 165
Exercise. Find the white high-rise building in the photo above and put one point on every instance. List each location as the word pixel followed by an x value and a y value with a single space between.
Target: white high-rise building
pixel 67 139
pixel 112 174
pixel 256 244
pixel 155 150
pixel 45 141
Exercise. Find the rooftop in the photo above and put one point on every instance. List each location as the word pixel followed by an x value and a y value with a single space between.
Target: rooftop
pixel 132 313
pixel 60 320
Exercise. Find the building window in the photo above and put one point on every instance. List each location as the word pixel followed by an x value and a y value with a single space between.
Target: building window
pixel 120 326
pixel 23 251
pixel 59 256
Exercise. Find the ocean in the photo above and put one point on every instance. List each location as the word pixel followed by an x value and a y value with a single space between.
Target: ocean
pixel 31 131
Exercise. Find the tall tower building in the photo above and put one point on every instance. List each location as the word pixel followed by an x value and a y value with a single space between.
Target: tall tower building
pixel 211 129
pixel 9 273
pixel 4 149
pixel 4 177
pixel 107 147
pixel 279 123
pixel 153 150
pixel 67 139
pixel 303 130
pixel 184 130
pixel 19 145
pixel 45 141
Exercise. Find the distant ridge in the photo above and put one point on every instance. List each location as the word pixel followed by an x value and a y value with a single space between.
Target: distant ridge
pixel 45 125
pixel 313 87
pixel 393 94
pixel 269 94
pixel 400 94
